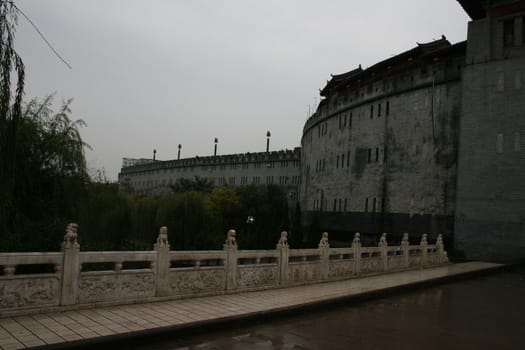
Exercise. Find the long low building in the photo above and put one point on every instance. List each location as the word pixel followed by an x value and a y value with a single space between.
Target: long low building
pixel 280 168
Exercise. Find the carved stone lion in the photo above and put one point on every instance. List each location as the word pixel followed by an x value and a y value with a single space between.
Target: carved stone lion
pixel 324 240
pixel 283 241
pixel 382 241
pixel 70 238
pixel 424 239
pixel 404 240
pixel 162 238
pixel 439 240
pixel 357 239
pixel 230 239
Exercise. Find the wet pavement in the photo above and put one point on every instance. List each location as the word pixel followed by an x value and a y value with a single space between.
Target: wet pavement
pixel 92 327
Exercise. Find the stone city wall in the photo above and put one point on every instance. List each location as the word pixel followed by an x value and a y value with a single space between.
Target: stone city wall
pixel 381 147
pixel 73 279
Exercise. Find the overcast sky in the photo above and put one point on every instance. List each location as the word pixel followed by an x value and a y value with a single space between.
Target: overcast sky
pixel 153 74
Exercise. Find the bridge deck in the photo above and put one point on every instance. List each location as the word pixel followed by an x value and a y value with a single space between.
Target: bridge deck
pixel 105 323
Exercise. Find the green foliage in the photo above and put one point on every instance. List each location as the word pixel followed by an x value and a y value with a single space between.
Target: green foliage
pixel 187 185
pixel 104 217
pixel 295 236
pixel 269 208
pixel 46 179
pixel 190 219
pixel 111 219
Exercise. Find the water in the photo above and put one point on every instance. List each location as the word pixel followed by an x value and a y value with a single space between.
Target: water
pixel 487 312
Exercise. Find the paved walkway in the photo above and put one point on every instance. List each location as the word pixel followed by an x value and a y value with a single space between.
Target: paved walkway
pixel 104 323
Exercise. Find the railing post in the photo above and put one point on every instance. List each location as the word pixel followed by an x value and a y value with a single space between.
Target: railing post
pixel 162 268
pixel 324 255
pixel 405 248
pixel 383 244
pixel 70 266
pixel 424 249
pixel 356 246
pixel 230 246
pixel 284 254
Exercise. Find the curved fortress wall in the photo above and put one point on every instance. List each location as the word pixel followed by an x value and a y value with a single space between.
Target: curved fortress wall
pixel 379 154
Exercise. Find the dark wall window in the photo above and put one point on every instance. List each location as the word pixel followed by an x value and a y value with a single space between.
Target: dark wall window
pixel 523 30
pixel 369 155
pixel 371 111
pixel 387 108
pixel 366 205
pixel 377 154
pixel 379 110
pixel 508 32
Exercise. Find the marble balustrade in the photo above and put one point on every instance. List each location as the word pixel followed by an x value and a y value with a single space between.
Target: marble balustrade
pixel 32 282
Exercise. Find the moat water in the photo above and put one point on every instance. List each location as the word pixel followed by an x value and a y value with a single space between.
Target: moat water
pixel 486 312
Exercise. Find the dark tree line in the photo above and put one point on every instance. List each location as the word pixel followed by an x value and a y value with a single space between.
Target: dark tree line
pixel 111 219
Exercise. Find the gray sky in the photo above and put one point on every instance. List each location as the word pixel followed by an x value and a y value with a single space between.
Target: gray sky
pixel 153 74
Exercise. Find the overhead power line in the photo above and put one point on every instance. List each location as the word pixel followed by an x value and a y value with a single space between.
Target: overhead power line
pixel 41 35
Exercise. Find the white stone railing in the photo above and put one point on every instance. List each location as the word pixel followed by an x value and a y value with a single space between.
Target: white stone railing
pixel 70 278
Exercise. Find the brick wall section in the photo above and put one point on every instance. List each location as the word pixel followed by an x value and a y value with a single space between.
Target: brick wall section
pixel 490 212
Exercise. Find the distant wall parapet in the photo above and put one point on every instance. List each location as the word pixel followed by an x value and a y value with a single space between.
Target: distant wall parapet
pixel 228 159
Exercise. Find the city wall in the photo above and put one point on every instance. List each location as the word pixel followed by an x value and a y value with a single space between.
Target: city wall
pixel 73 279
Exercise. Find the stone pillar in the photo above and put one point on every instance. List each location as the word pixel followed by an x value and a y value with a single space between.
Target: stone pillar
pixel 356 246
pixel 70 266
pixel 162 268
pixel 383 244
pixel 324 254
pixel 405 247
pixel 424 249
pixel 230 246
pixel 284 254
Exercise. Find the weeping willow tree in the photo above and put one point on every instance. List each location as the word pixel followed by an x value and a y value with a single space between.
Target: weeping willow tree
pixel 10 114
pixel 42 164
pixel 48 176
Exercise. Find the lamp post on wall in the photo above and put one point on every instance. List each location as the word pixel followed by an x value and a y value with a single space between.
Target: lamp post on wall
pixel 178 153
pixel 154 154
pixel 268 134
pixel 216 141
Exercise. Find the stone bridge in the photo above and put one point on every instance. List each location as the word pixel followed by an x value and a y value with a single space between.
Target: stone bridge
pixel 72 279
